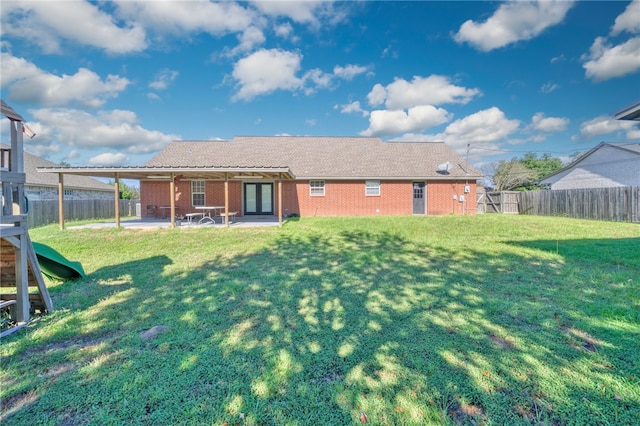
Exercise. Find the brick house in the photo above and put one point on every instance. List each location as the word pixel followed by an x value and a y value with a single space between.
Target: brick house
pixel 316 176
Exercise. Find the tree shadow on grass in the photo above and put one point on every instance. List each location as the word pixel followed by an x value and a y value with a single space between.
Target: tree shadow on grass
pixel 607 253
pixel 74 328
pixel 319 329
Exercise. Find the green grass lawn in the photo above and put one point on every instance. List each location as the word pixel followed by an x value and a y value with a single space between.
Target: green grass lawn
pixel 405 320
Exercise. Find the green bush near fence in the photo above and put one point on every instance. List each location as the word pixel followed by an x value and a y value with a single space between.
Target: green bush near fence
pixel 489 319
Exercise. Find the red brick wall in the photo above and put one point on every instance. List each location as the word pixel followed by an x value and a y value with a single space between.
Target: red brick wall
pixel 157 193
pixel 342 198
pixel 440 198
pixel 347 198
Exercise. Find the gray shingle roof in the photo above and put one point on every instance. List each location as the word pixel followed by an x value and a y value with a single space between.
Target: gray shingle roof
pixel 34 178
pixel 320 157
pixel 632 147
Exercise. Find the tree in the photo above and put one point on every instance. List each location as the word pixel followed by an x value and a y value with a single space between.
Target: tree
pixel 510 175
pixel 521 174
pixel 543 166
pixel 128 192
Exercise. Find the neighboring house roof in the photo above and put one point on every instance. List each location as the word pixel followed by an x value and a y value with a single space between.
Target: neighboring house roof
pixel 33 178
pixel 605 162
pixel 629 113
pixel 321 157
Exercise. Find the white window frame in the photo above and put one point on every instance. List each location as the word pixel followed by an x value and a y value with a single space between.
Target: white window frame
pixel 372 188
pixel 316 188
pixel 198 187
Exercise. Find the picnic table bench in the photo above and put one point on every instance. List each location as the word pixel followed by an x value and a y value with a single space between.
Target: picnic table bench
pixel 205 216
pixel 190 216
pixel 232 216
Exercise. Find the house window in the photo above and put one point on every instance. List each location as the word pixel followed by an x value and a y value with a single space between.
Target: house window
pixel 197 193
pixel 68 192
pixel 316 188
pixel 372 187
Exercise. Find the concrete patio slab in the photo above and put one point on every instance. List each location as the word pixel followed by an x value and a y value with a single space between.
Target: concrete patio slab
pixel 241 222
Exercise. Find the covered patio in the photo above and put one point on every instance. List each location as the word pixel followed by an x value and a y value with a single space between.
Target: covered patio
pixel 170 175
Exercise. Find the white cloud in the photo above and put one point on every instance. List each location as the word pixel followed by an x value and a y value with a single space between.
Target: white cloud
pixel 117 129
pixel 184 17
pixel 605 61
pixel 633 133
pixel 389 51
pixel 300 11
pixel 266 71
pixel 486 127
pixel 432 90
pixel 48 25
pixel 604 125
pixel 549 87
pixel 377 95
pixel 548 124
pixel 283 30
pixel 349 72
pixel 417 118
pixel 163 79
pixel 249 39
pixel 109 159
pixel 319 78
pixel 353 107
pixel 28 83
pixel 312 12
pixel 513 22
pixel 629 20
pixel 13 69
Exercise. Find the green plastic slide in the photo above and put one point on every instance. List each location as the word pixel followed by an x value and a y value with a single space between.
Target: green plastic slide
pixel 56 266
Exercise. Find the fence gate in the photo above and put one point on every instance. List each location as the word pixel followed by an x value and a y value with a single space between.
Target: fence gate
pixel 501 202
pixel 481 199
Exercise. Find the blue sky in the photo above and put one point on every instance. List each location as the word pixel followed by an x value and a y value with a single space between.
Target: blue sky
pixel 112 83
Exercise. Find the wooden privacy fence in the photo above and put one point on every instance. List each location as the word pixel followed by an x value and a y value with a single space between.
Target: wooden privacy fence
pixel 44 212
pixel 499 202
pixel 620 204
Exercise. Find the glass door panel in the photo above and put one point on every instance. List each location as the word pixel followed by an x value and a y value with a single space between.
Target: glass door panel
pixel 250 198
pixel 267 198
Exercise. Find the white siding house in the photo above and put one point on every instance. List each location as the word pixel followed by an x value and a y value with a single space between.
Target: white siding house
pixel 605 166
